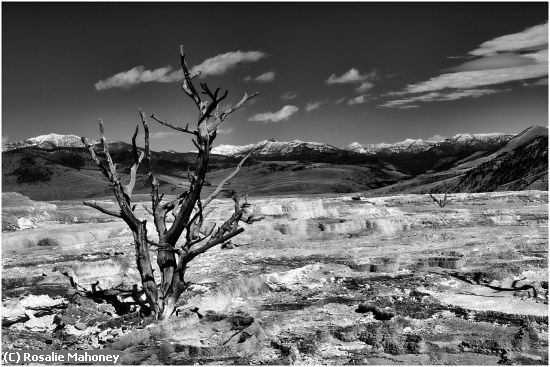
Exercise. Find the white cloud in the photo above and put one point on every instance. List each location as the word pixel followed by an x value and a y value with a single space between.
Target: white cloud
pixel 219 64
pixel 282 115
pixel 216 65
pixel 529 39
pixel 353 76
pixel 340 100
pixel 311 106
pixel 358 100
pixel 447 95
pixel 365 86
pixel 263 78
pixel 135 76
pixel 349 77
pixel 5 139
pixel 289 96
pixel 478 78
pixel 499 62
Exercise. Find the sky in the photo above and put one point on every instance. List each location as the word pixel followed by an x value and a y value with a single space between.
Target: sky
pixel 329 72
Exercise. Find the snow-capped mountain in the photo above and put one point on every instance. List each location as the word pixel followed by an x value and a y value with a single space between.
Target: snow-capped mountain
pixel 410 145
pixel 272 148
pixel 419 145
pixel 48 141
pixel 491 138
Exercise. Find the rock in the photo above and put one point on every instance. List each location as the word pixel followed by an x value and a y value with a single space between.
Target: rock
pixel 40 302
pixel 18 310
pixel 228 245
pixel 25 223
pixel 44 323
pixel 80 326
pixel 72 330
pixel 13 313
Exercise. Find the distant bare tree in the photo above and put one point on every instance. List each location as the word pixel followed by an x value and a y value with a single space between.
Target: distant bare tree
pixel 187 208
pixel 440 202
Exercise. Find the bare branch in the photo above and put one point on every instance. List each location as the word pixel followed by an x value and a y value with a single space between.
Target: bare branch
pixel 134 146
pixel 159 214
pixel 92 204
pixel 196 145
pixel 96 160
pixel 225 180
pixel 200 239
pixel 440 202
pixel 170 205
pixel 172 126
pixel 133 170
pixel 230 110
pixel 215 241
pixel 187 85
pixel 148 210
pixel 112 167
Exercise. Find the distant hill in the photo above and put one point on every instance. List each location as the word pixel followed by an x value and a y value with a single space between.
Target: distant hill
pixel 522 168
pixel 49 141
pixel 56 167
pixel 520 164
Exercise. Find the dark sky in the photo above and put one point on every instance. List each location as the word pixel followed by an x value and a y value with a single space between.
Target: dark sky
pixel 365 72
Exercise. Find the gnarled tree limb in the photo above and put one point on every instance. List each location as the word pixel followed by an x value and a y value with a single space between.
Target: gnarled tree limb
pixel 175 127
pixel 225 180
pixel 92 204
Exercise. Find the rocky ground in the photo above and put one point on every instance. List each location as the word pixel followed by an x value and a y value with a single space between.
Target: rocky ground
pixel 321 280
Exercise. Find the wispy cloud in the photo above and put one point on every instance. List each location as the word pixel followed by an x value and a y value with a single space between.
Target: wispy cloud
pixel 352 76
pixel 282 115
pixel 439 96
pixel 365 86
pixel 358 100
pixel 315 105
pixel 364 82
pixel 479 78
pixel 216 65
pixel 510 58
pixel 529 39
pixel 219 64
pixel 502 61
pixel 263 78
pixel 290 95
pixel 339 100
pixel 225 131
pixel 135 76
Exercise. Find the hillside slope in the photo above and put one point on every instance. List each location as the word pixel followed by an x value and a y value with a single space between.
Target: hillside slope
pixel 519 169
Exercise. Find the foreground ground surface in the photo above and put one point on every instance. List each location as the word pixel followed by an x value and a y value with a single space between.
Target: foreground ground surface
pixel 321 280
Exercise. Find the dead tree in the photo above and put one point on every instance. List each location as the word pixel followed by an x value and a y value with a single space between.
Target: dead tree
pixel 440 202
pixel 188 209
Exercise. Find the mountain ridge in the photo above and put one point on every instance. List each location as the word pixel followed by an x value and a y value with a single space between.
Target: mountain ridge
pixel 45 171
pixel 271 146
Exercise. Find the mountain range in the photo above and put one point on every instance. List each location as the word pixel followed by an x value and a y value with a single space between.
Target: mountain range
pixel 47 142
pixel 58 166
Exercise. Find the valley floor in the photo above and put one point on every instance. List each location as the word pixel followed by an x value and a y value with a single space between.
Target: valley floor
pixel 321 280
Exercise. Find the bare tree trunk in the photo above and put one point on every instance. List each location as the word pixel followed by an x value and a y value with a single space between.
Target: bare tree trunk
pixel 172 284
pixel 169 304
pixel 144 266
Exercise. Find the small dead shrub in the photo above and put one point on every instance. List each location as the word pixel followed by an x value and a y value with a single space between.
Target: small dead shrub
pixel 48 241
